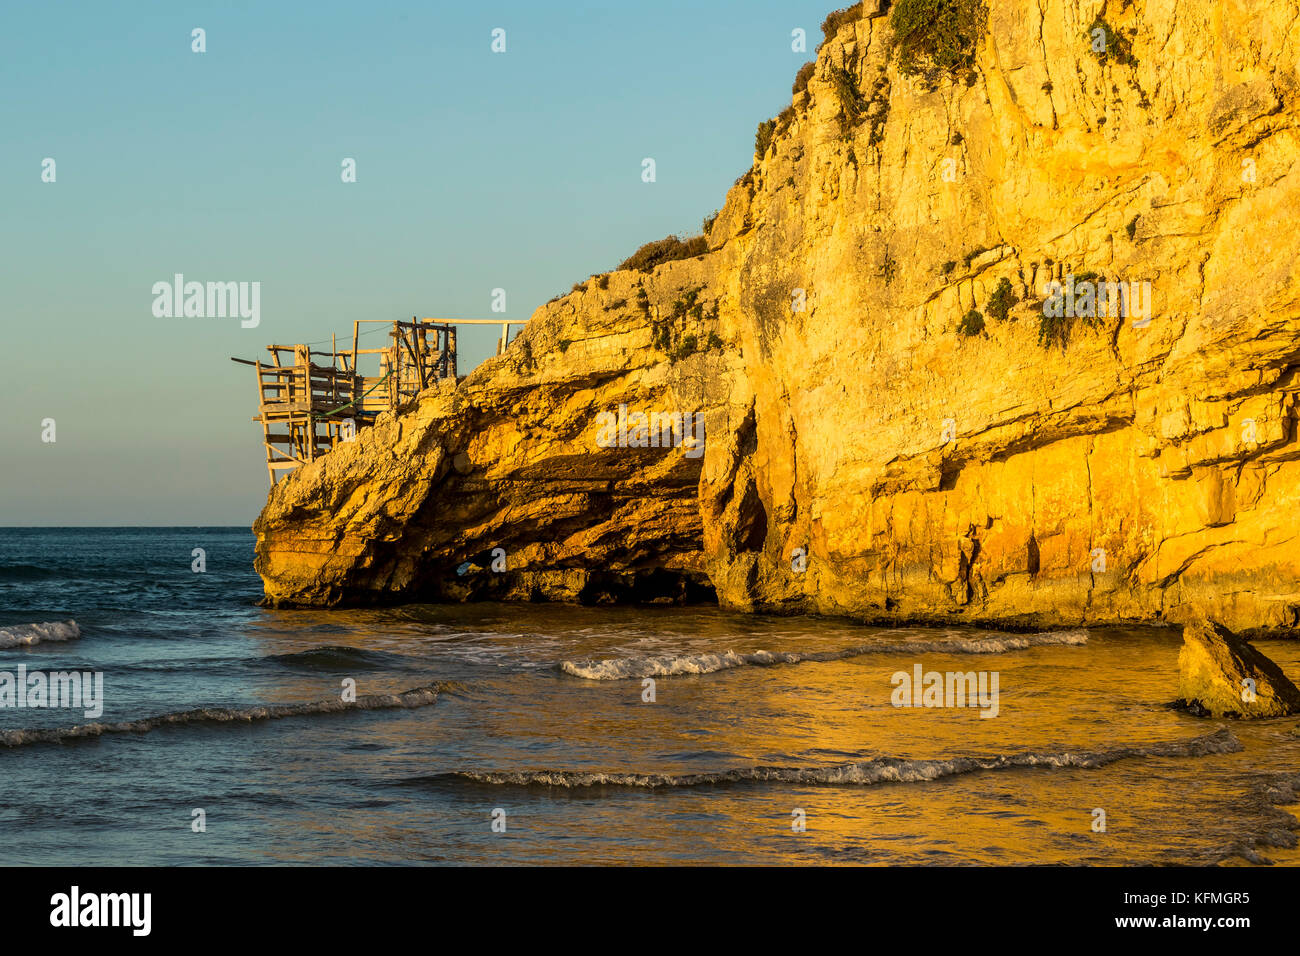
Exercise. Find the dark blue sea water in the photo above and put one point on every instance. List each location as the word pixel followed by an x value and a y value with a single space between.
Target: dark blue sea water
pixel 537 716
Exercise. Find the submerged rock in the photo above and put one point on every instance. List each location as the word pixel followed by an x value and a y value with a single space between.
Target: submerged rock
pixel 1220 675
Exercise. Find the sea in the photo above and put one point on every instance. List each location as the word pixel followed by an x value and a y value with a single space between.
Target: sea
pixel 225 733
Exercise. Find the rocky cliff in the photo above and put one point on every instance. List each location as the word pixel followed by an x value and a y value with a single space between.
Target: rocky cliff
pixel 894 427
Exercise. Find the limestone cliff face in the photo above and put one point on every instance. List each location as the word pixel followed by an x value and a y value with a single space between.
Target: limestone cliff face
pixel 509 458
pixel 1144 471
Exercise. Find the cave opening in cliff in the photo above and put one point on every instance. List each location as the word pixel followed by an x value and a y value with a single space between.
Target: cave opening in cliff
pixel 651 586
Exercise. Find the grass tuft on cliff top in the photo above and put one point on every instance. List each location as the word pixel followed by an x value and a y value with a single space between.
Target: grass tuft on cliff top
pixel 838 18
pixel 937 36
pixel 668 249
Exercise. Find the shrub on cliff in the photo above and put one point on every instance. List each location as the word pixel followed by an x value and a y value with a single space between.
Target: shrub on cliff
pixel 784 119
pixel 668 332
pixel 937 35
pixel 684 349
pixel 852 102
pixel 803 76
pixel 972 323
pixel 1001 301
pixel 661 336
pixel 1054 330
pixel 1057 323
pixel 668 249
pixel 689 304
pixel 1107 44
pixel 838 18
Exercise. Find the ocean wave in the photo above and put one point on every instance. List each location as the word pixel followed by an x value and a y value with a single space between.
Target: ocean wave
pixel 333 656
pixel 25 635
pixel 866 772
pixel 407 699
pixel 26 572
pixel 337 658
pixel 624 668
pixel 1277 827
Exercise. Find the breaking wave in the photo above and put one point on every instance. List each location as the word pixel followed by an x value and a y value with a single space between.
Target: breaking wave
pixel 865 772
pixel 25 635
pixel 623 668
pixel 415 697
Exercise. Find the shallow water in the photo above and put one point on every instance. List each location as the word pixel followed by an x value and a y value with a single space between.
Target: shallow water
pixel 734 746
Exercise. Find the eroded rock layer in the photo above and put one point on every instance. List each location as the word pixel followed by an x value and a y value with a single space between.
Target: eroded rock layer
pixel 863 457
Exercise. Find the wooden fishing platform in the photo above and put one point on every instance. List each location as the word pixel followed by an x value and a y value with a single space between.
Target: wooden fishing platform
pixel 306 406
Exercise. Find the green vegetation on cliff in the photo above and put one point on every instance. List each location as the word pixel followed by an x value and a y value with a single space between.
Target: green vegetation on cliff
pixel 932 36
pixel 668 249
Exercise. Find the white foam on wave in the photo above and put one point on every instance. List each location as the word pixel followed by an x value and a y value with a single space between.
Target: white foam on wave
pixel 25 635
pixel 626 668
pixel 865 772
pixel 415 697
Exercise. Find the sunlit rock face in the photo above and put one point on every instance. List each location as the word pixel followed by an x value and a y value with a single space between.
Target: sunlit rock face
pixel 1220 675
pixel 862 456
pixel 532 479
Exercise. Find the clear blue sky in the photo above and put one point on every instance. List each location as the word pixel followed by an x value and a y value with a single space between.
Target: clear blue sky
pixel 474 171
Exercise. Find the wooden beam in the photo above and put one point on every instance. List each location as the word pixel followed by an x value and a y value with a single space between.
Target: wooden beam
pixel 479 321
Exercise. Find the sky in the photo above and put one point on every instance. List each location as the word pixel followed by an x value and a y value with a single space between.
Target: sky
pixel 475 171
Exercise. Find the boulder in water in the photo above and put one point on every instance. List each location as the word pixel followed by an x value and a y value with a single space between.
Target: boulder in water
pixel 1220 675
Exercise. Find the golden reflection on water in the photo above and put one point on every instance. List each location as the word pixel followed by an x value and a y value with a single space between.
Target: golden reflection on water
pixel 514 711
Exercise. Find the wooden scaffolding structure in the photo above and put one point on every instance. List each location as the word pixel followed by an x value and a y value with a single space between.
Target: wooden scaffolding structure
pixel 306 406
